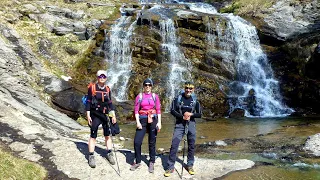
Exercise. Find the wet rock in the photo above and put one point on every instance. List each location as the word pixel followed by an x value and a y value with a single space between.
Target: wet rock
pixel 128 11
pixel 313 144
pixel 96 23
pixel 311 66
pixel 81 35
pixel 237 113
pixel 161 150
pixel 220 143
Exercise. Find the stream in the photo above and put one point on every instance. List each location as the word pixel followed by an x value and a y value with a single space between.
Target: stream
pixel 274 144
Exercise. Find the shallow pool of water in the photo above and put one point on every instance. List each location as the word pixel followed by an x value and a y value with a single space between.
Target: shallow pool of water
pixel 279 130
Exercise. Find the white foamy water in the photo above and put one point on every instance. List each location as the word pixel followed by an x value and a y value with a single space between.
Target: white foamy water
pixel 178 64
pixel 119 57
pixel 254 73
pixel 250 64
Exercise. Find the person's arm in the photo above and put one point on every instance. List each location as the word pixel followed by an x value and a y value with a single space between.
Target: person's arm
pixel 112 108
pixel 174 109
pixel 197 112
pixel 158 109
pixel 110 104
pixel 136 112
pixel 88 105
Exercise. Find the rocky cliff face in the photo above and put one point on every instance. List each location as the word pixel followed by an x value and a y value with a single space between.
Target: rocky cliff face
pixel 292 49
pixel 150 60
pixel 290 29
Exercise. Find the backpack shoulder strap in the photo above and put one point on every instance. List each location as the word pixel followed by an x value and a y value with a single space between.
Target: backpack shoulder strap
pixel 194 98
pixel 179 97
pixel 107 89
pixel 154 97
pixel 140 97
pixel 154 100
pixel 93 88
pixel 179 102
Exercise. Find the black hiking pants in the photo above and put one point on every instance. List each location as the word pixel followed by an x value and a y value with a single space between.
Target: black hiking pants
pixel 138 138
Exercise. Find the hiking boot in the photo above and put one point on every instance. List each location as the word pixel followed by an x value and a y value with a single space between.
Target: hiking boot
pixel 92 162
pixel 168 172
pixel 135 166
pixel 110 158
pixel 190 170
pixel 151 167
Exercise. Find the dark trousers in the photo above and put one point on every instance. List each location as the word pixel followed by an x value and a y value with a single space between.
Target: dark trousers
pixel 138 138
pixel 178 134
pixel 96 121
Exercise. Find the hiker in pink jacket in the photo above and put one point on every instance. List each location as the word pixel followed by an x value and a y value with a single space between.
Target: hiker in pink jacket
pixel 147 112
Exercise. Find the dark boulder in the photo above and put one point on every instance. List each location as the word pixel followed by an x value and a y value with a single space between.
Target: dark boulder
pixel 237 113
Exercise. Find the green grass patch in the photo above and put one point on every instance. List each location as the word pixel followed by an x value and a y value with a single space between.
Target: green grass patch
pixel 16 168
pixel 247 7
pixel 82 121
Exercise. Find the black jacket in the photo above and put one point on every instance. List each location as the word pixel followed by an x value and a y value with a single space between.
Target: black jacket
pixel 186 105
pixel 98 98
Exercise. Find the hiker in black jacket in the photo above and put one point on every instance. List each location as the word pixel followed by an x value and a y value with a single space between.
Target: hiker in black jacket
pixel 185 108
pixel 99 104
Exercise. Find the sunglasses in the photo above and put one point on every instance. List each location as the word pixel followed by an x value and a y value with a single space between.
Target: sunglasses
pixel 190 88
pixel 145 85
pixel 102 76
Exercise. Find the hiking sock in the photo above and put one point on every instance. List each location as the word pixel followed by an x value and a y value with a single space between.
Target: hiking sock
pixel 91 153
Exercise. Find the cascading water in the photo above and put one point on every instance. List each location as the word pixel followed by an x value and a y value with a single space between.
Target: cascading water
pixel 255 90
pixel 119 57
pixel 178 63
pixel 202 7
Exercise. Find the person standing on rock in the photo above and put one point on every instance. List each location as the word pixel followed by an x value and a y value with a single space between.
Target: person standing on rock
pixel 98 107
pixel 185 108
pixel 148 117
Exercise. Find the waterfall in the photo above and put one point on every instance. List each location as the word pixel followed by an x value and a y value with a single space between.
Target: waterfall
pixel 255 89
pixel 236 41
pixel 255 78
pixel 202 7
pixel 119 57
pixel 178 65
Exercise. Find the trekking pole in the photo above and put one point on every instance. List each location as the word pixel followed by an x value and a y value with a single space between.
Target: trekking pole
pixel 114 149
pixel 184 144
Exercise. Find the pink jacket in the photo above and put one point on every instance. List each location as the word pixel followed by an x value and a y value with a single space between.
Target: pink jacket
pixel 147 103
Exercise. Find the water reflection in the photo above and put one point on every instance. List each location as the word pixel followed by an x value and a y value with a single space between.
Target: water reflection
pixel 209 131
pixel 292 131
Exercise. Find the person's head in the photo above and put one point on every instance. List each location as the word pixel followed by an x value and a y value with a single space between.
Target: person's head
pixel 188 88
pixel 102 76
pixel 147 85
